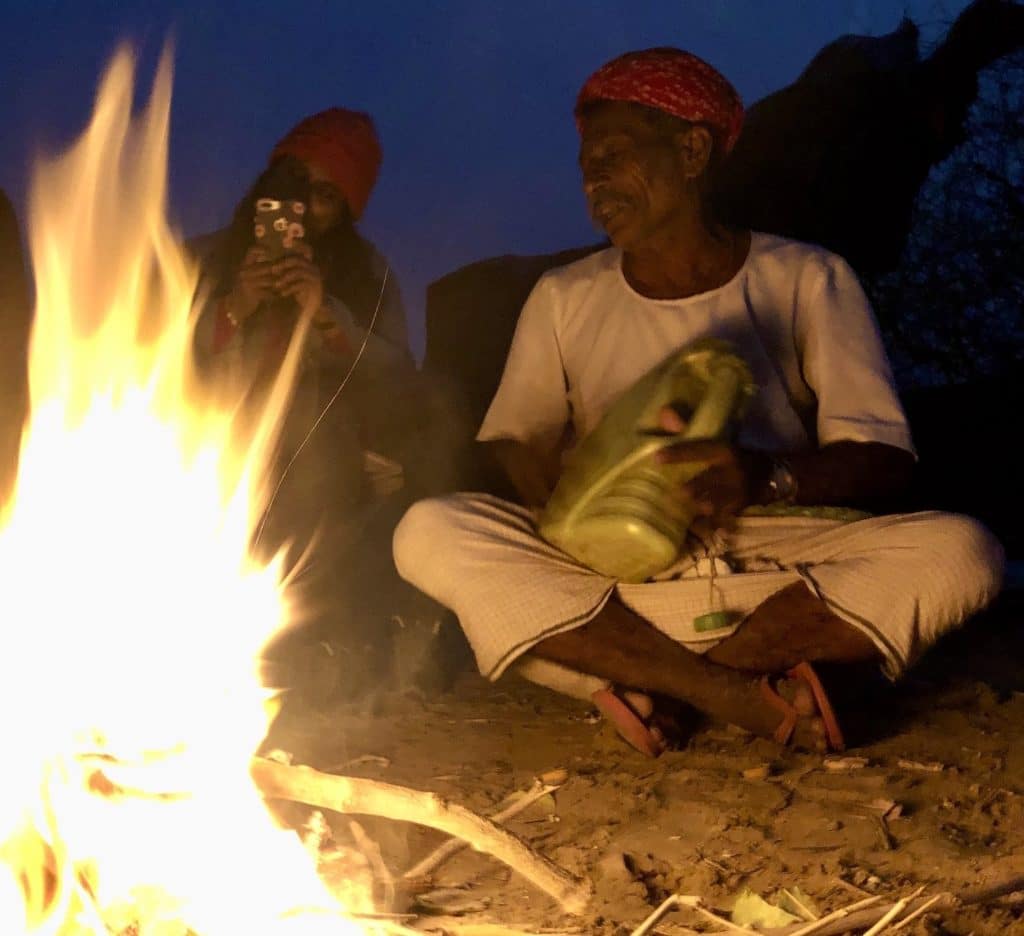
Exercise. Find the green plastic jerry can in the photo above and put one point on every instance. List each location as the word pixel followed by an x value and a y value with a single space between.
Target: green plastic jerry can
pixel 615 508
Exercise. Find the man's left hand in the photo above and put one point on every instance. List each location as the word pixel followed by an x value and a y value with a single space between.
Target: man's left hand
pixel 721 489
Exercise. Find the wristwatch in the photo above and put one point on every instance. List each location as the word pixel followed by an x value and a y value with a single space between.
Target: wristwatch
pixel 782 482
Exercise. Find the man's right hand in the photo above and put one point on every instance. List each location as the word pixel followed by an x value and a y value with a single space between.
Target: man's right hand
pixel 721 486
pixel 254 284
pixel 531 474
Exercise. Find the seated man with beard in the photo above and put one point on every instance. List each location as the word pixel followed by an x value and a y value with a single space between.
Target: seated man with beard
pixel 329 162
pixel 824 428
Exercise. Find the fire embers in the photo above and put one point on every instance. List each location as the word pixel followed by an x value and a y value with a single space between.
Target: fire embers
pixel 278 225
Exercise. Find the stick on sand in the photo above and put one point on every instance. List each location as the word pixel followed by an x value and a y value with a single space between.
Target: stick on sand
pixel 544 786
pixel 373 798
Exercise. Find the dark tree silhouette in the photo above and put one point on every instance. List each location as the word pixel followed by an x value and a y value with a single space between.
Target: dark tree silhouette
pixel 953 313
pixel 953 310
pixel 838 157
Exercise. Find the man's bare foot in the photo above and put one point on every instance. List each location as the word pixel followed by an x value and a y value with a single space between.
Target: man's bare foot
pixel 621 647
pixel 631 713
pixel 754 713
pixel 660 730
pixel 809 733
pixel 639 702
pixel 800 710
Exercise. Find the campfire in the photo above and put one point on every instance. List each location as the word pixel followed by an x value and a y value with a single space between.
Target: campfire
pixel 135 610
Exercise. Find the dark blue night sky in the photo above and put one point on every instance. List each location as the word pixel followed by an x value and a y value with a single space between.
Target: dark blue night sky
pixel 472 100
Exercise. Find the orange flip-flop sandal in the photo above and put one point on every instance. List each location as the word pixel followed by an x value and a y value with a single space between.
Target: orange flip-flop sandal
pixel 805 674
pixel 627 723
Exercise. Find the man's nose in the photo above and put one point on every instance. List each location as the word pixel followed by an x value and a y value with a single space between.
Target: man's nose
pixel 593 179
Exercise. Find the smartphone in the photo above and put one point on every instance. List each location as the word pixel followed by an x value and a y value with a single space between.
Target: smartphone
pixel 279 226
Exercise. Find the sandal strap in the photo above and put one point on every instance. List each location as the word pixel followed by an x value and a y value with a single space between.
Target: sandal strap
pixel 833 733
pixel 627 723
pixel 785 728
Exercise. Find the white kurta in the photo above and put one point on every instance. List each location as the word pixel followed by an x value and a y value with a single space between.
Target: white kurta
pixel 799 317
pixel 795 313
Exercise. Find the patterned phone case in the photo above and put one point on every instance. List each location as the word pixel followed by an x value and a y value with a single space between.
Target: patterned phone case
pixel 278 226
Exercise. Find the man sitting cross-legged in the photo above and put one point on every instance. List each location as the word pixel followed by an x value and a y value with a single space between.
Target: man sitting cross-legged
pixel 824 428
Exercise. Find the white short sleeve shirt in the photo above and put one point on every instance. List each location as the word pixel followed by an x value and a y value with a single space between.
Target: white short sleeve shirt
pixel 795 312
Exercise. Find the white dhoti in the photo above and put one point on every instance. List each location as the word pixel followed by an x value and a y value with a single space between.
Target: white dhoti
pixel 903 580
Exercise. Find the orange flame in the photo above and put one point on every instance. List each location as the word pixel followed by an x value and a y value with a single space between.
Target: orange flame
pixel 135 612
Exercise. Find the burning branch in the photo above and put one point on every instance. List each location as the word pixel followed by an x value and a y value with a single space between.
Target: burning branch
pixel 370 797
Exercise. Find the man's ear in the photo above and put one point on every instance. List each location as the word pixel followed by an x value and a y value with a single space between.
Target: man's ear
pixel 694 146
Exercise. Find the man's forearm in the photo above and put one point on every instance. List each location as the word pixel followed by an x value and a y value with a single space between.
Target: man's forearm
pixel 532 475
pixel 842 474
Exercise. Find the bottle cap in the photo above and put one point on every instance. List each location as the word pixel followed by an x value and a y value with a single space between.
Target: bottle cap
pixel 713 620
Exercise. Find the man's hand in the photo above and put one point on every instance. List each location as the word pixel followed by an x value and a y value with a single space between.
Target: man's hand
pixel 721 489
pixel 532 475
pixel 300 278
pixel 254 284
pixel 866 475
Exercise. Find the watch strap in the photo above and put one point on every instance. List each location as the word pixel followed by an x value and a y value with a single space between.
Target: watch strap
pixel 782 482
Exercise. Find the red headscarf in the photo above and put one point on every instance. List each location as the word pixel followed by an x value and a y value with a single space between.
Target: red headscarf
pixel 344 144
pixel 672 81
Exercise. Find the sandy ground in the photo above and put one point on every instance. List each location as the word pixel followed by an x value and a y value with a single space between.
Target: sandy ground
pixel 937 799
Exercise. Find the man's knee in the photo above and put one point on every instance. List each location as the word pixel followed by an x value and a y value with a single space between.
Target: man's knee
pixel 972 556
pixel 419 538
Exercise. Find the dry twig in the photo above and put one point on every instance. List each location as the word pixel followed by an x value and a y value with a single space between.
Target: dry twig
pixel 992 891
pixel 910 917
pixel 894 911
pixel 693 903
pixel 369 797
pixel 851 918
pixel 839 914
pixel 371 851
pixel 455 928
pixel 852 888
pixel 857 916
pixel 885 834
pixel 543 786
pixel 801 908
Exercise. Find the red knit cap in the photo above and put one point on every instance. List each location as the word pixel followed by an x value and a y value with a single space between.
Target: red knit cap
pixel 672 81
pixel 344 144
